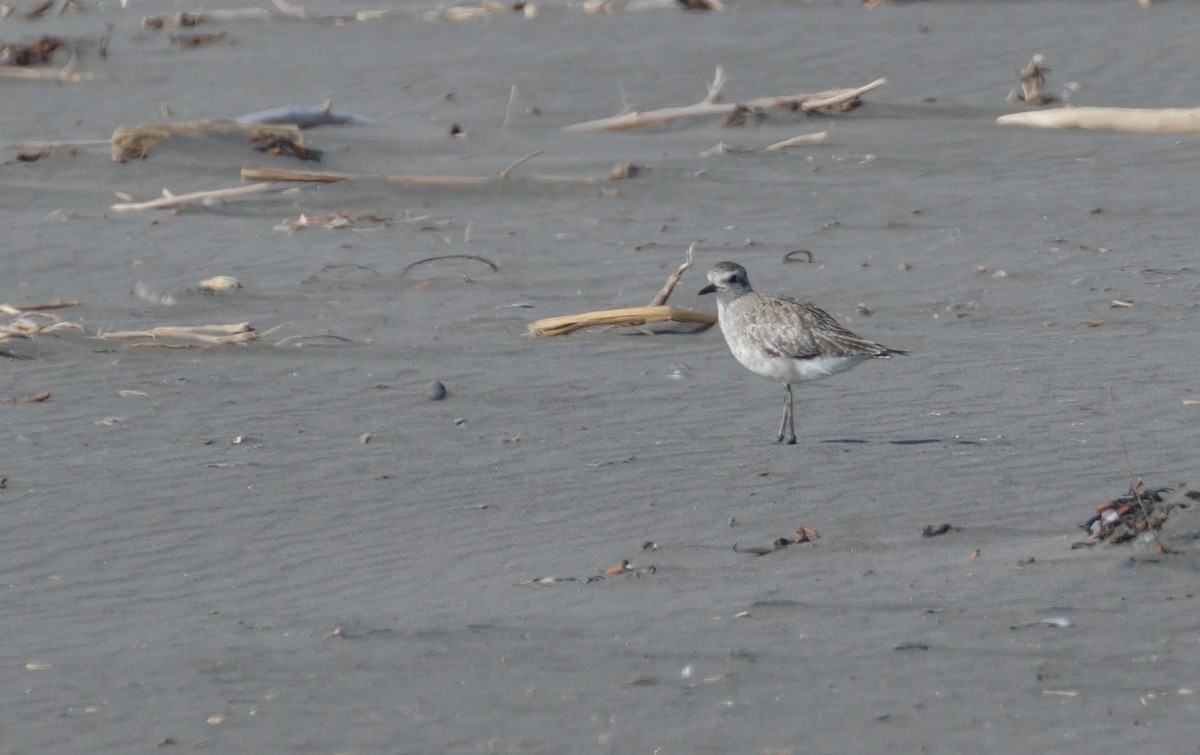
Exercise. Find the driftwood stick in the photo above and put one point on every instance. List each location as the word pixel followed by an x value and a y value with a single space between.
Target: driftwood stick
pixel 664 293
pixel 17 309
pixel 168 200
pixel 254 173
pixel 560 326
pixel 1128 120
pixel 507 171
pixel 712 105
pixel 815 138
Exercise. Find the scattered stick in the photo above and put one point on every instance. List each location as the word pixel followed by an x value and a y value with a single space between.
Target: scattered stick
pixel 188 41
pixel 1127 120
pixel 17 309
pixel 664 293
pixel 512 96
pixel 203 335
pixel 477 258
pixel 505 173
pixel 815 138
pixel 254 173
pixel 136 142
pixel 841 99
pixel 657 311
pixel 634 316
pixel 169 200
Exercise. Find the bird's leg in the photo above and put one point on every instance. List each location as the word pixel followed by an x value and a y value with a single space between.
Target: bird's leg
pixel 790 437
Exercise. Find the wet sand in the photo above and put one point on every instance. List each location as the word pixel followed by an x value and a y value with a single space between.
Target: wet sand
pixel 166 584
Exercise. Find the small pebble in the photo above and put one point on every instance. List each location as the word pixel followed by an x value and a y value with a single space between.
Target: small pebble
pixel 435 391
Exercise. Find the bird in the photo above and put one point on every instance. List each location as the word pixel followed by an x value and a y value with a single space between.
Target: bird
pixel 782 339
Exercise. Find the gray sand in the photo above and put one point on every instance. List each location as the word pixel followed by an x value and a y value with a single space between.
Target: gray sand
pixel 163 583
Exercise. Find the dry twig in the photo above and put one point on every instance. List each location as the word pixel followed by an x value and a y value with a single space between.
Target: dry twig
pixel 712 105
pixel 657 311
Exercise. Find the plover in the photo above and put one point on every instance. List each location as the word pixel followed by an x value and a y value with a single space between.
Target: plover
pixel 785 340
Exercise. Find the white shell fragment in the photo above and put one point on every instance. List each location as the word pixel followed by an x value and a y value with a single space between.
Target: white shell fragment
pixel 219 284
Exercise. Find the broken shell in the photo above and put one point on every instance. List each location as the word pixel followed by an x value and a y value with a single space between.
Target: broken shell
pixel 620 568
pixel 219 284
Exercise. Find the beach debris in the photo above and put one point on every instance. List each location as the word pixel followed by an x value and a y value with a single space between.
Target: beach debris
pixel 186 336
pixel 219 284
pixel 620 568
pixel 67 74
pixel 285 11
pixel 1137 514
pixel 190 41
pixel 1054 622
pixel 441 257
pixel 185 19
pixel 701 5
pixel 833 100
pixel 170 201
pixel 803 535
pixel 333 221
pixel 813 138
pixel 1033 83
pixel 1119 304
pixel 1127 120
pixel 457 13
pixel 36 398
pixel 936 530
pixel 130 142
pixel 336 634
pixel 656 311
pixel 255 173
pixel 547 581
pixel 303 117
pixel 35 52
pixel 435 391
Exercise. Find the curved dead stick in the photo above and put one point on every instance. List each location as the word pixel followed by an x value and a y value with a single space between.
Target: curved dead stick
pixel 1128 120
pixel 484 260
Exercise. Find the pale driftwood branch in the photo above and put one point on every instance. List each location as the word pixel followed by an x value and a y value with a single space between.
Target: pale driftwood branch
pixel 1128 120
pixel 816 138
pixel 664 293
pixel 169 200
pixel 712 105
pixel 205 335
pixel 17 309
pixel 656 311
pixel 136 141
pixel 559 326
pixel 254 173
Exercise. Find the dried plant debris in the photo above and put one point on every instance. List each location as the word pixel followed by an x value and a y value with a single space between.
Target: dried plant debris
pixel 35 52
pixel 189 41
pixel 1139 513
pixel 803 535
pixel 1033 83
